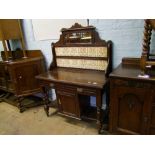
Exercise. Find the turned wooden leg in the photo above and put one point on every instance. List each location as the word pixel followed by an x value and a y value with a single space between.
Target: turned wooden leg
pixel 46 100
pixel 99 105
pixel 21 108
pixel 46 108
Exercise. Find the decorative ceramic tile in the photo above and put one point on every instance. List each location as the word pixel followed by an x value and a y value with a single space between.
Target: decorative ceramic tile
pixel 81 51
pixel 82 63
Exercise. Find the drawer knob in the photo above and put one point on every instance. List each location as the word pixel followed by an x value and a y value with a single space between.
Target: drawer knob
pixel 79 90
pixel 20 77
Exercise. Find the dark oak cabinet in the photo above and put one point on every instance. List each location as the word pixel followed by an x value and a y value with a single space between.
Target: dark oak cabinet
pixel 18 76
pixel 19 66
pixel 132 109
pixel 22 74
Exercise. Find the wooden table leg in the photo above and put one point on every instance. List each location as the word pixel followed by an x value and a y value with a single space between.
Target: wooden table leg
pixel 46 99
pixel 20 106
pixel 99 106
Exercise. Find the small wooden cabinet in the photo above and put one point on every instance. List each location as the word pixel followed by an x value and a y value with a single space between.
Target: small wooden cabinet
pixel 18 76
pixel 22 75
pixel 130 106
pixel 19 66
pixel 131 102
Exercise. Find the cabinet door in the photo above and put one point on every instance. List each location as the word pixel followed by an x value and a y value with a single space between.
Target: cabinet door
pixel 129 110
pixel 3 84
pixel 68 102
pixel 151 127
pixel 24 78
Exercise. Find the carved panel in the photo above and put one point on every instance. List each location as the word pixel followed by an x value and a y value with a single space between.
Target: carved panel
pixel 131 83
pixel 130 109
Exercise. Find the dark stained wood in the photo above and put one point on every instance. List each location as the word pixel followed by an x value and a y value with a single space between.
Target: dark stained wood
pixel 18 54
pixel 77 26
pixel 73 83
pixel 18 68
pixel 22 74
pixel 99 106
pixel 68 100
pixel 95 41
pixel 131 61
pixel 53 63
pixel 131 101
pixel 88 78
pixel 79 57
pixel 18 76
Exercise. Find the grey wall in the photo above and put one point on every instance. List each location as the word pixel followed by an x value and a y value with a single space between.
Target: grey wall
pixel 44 46
pixel 126 35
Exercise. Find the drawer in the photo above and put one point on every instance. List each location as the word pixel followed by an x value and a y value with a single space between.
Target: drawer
pixel 66 88
pixel 66 93
pixel 130 83
pixel 86 91
pixel 45 83
pixel 75 89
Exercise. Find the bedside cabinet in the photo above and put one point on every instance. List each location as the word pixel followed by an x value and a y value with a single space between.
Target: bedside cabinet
pixel 132 102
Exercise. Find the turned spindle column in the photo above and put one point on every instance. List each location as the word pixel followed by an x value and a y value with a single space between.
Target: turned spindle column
pixel 146 45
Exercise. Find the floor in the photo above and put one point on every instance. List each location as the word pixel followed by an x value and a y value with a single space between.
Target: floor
pixel 34 121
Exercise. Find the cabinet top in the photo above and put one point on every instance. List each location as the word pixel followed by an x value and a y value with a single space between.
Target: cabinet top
pixel 132 72
pixel 88 78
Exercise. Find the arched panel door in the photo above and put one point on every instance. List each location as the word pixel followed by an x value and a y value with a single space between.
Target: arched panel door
pixel 129 110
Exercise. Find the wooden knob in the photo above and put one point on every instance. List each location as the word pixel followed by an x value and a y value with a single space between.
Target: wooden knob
pixel 20 77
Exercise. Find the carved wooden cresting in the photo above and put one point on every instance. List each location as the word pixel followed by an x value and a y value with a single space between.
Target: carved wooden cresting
pixel 80 47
